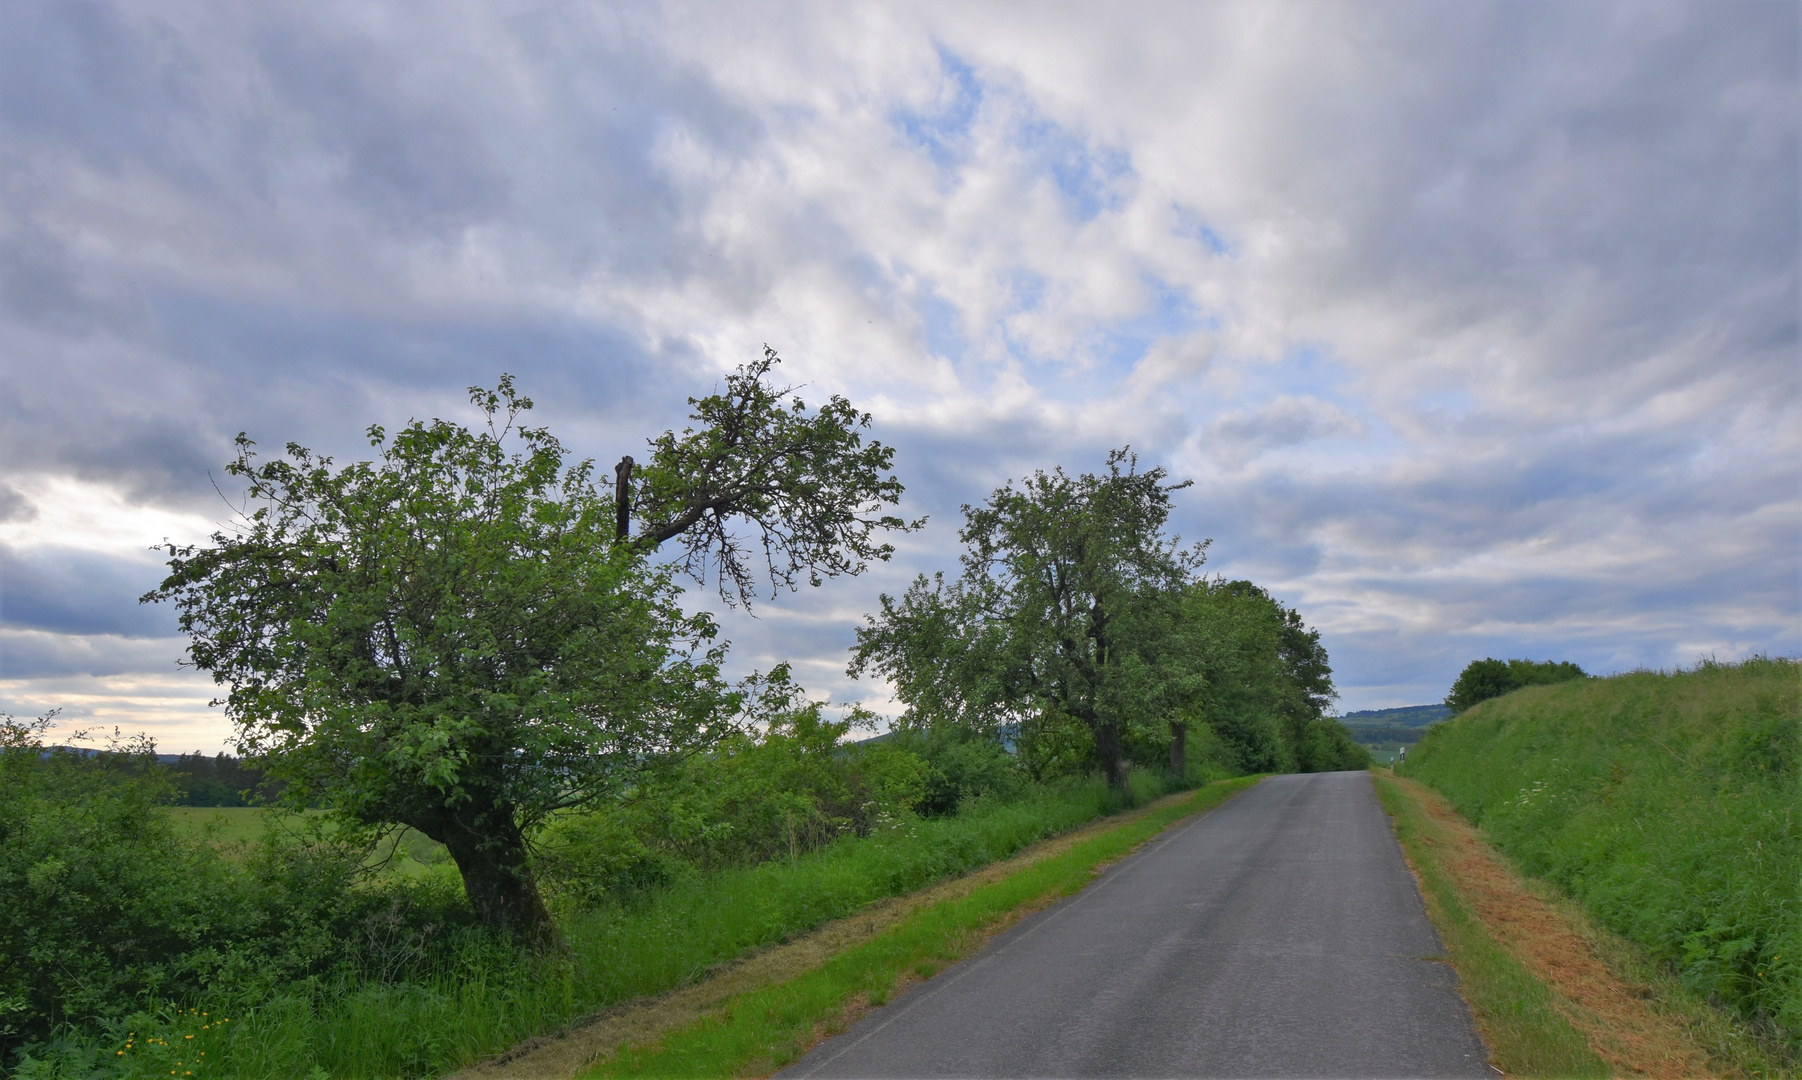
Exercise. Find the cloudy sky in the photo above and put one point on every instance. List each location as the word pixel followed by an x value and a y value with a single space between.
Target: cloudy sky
pixel 1475 325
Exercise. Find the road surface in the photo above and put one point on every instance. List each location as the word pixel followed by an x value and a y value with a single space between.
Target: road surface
pixel 1279 935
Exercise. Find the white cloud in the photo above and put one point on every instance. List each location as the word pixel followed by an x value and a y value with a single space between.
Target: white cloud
pixel 1432 300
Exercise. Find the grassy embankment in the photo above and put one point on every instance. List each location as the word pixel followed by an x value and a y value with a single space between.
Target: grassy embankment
pixel 492 999
pixel 1666 806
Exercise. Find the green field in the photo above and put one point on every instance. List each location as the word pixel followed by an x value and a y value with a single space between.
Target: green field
pixel 222 824
pixel 409 853
pixel 1666 803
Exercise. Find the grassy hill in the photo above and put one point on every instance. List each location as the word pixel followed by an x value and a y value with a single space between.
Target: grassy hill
pixel 1668 804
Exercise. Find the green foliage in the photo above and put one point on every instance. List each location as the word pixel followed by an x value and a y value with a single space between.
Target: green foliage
pixel 1490 678
pixel 446 639
pixel 957 767
pixel 459 639
pixel 1083 634
pixel 1407 716
pixel 1666 803
pixel 1258 677
pixel 775 791
pixel 221 780
pixel 1056 620
pixel 410 996
pixel 107 906
pixel 806 482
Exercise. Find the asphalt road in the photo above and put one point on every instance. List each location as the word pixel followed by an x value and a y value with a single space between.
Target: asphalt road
pixel 1279 935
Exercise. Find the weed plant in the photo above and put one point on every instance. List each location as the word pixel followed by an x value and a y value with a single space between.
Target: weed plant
pixel 1666 803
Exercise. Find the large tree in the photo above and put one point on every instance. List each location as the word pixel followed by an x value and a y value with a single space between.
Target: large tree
pixel 457 636
pixel 1258 676
pixel 1059 616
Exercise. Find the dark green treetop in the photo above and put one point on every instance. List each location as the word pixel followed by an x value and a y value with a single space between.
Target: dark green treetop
pixel 1489 678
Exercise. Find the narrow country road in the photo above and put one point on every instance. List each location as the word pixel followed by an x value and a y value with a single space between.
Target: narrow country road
pixel 1279 935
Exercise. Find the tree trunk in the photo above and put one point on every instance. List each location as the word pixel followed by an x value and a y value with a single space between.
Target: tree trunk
pixel 490 853
pixel 1113 761
pixel 1179 747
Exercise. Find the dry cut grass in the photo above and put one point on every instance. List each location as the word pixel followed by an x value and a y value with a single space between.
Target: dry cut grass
pixel 1638 1023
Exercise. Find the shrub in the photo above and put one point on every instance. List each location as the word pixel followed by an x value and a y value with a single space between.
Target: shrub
pixel 107 909
pixel 958 764
pixel 775 794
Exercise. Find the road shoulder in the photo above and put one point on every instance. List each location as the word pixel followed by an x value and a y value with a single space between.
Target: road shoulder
pixel 1552 993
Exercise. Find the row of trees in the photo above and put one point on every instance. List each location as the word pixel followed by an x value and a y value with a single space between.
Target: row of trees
pixel 220 780
pixel 1079 630
pixel 467 638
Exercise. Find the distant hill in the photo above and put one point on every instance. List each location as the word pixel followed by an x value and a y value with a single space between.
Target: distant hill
pixel 1407 716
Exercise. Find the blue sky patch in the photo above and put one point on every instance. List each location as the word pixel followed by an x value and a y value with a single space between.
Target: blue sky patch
pixel 944 133
pixel 1191 225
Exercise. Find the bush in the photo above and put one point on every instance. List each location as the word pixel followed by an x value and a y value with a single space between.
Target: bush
pixel 1330 748
pixel 1491 678
pixel 1666 803
pixel 107 909
pixel 956 765
pixel 776 794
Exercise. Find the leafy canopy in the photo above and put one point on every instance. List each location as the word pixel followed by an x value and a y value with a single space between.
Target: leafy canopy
pixel 1058 617
pixel 1084 634
pixel 459 637
pixel 447 637
pixel 812 489
pixel 1490 678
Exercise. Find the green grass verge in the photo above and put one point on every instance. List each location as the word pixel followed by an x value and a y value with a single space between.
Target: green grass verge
pixel 1517 1013
pixel 766 1029
pixel 1733 1047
